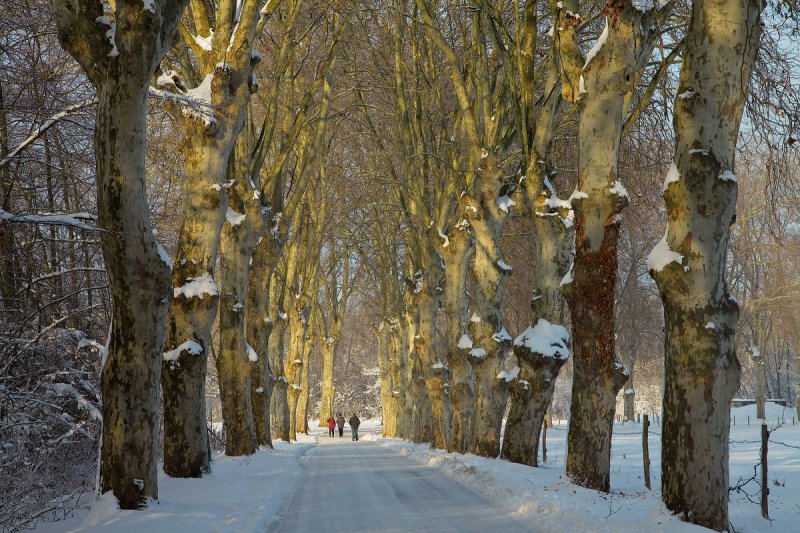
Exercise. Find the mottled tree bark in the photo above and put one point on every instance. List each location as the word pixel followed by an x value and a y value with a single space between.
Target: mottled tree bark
pixel 301 413
pixel 259 326
pixel 383 340
pixel 208 140
pixel 457 256
pixel 406 329
pixel 281 409
pixel 434 422
pixel 120 67
pixel 701 368
pixel 607 77
pixel 279 404
pixel 489 337
pixel 328 348
pixel 543 348
pixel 245 218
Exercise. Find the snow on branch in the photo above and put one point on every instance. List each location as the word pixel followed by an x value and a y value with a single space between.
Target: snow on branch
pixel 75 220
pixel 546 339
pixel 195 102
pixel 74 109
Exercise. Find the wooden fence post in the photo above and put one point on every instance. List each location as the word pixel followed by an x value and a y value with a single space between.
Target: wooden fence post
pixel 764 475
pixel 544 441
pixel 646 451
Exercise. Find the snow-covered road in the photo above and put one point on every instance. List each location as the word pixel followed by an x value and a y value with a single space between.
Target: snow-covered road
pixel 361 487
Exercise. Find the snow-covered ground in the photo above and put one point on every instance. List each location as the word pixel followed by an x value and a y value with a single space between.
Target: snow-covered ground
pixel 545 494
pixel 250 494
pixel 241 494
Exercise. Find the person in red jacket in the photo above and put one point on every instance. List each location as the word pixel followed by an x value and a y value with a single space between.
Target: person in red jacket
pixel 331 425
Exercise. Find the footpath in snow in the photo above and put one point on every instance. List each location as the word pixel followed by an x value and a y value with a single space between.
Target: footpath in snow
pixel 377 484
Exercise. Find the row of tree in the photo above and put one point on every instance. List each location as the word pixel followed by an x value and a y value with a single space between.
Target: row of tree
pixel 477 97
pixel 393 177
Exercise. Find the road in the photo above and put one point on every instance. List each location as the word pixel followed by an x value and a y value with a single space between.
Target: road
pixel 361 487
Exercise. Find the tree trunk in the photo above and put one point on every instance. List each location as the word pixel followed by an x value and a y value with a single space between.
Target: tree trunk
pixel 457 255
pixel 543 348
pixel 245 219
pixel 139 279
pixel 235 357
pixel 209 138
pixel 302 402
pixel 279 406
pixel 138 269
pixel 383 350
pixel 701 368
pixel 489 337
pixel 392 409
pixel 259 327
pixel 608 76
pixel 418 406
pixel 434 428
pixel 194 303
pixel 597 374
pixel 293 367
pixel 403 366
pixel 758 364
pixel 329 347
pixel 628 398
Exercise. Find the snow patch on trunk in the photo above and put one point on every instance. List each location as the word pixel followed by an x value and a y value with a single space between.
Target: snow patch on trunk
pixel 662 255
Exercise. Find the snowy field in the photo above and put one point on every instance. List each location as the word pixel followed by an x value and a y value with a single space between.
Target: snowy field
pixel 247 494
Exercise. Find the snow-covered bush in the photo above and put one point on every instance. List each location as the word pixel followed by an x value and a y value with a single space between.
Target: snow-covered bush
pixel 50 422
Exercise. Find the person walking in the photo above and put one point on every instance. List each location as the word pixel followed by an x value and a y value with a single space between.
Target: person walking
pixel 331 425
pixel 340 423
pixel 354 423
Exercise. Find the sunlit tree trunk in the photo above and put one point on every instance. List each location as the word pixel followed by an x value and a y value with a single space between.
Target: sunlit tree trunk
pixel 489 337
pixel 224 71
pixel 259 327
pixel 434 428
pixel 607 77
pixel 383 350
pixel 279 405
pixel 120 67
pixel 543 348
pixel 328 348
pixel 302 402
pixel 457 255
pixel 406 329
pixel 701 368
pixel 245 218
pixel 280 408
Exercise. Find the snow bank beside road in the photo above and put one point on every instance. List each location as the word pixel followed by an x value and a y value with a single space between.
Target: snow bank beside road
pixel 241 494
pixel 546 496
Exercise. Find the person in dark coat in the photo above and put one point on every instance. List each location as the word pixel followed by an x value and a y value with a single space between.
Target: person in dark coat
pixel 354 423
pixel 331 425
pixel 340 423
